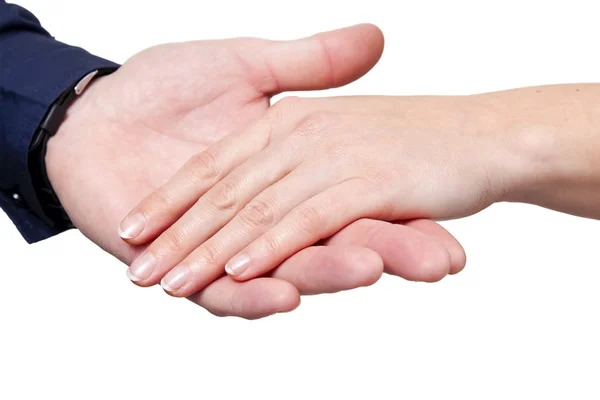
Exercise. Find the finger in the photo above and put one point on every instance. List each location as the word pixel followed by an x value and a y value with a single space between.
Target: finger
pixel 406 251
pixel 251 300
pixel 337 266
pixel 330 269
pixel 313 220
pixel 161 208
pixel 216 208
pixel 322 61
pixel 286 237
pixel 458 257
pixel 207 261
pixel 314 270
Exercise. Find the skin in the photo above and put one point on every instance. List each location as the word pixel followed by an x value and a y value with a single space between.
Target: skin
pixel 132 130
pixel 312 166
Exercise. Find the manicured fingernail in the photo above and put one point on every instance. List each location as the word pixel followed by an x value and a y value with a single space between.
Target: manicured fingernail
pixel 132 226
pixel 142 268
pixel 237 265
pixel 176 278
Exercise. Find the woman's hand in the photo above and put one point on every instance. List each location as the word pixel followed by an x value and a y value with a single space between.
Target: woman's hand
pixel 306 170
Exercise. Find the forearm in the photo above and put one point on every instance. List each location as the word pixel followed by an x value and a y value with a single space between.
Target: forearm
pixel 550 137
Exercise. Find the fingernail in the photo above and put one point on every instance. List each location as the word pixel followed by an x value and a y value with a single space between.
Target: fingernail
pixel 237 265
pixel 176 278
pixel 132 226
pixel 142 268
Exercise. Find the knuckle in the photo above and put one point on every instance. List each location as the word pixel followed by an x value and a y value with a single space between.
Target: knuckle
pixel 269 244
pixel 313 124
pixel 258 213
pixel 309 219
pixel 222 197
pixel 163 198
pixel 204 165
pixel 173 240
pixel 207 255
pixel 158 201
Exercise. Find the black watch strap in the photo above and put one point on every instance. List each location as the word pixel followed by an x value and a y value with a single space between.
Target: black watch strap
pixel 52 211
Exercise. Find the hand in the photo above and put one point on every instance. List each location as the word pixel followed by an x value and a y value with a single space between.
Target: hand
pixel 302 173
pixel 130 132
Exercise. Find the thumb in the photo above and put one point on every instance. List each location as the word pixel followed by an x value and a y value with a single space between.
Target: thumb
pixel 325 60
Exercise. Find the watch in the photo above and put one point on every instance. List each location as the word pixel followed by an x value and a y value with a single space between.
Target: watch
pixel 51 210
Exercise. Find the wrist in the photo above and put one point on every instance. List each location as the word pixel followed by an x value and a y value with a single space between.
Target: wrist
pixel 503 161
pixel 547 146
pixel 514 150
pixel 78 119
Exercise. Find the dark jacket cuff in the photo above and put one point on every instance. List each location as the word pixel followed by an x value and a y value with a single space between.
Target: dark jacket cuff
pixel 35 70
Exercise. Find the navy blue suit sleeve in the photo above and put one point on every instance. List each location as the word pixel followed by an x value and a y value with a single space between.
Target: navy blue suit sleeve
pixel 35 69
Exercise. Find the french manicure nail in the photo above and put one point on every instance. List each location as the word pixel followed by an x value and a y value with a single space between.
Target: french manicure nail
pixel 132 226
pixel 176 278
pixel 237 265
pixel 142 268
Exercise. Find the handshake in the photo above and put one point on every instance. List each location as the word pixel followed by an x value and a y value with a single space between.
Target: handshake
pixel 188 174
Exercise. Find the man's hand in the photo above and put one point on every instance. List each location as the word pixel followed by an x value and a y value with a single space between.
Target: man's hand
pixel 132 130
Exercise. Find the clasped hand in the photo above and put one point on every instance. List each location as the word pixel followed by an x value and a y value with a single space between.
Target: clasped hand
pixel 286 188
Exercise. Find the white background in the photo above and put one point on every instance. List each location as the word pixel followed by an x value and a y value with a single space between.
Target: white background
pixel 521 321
